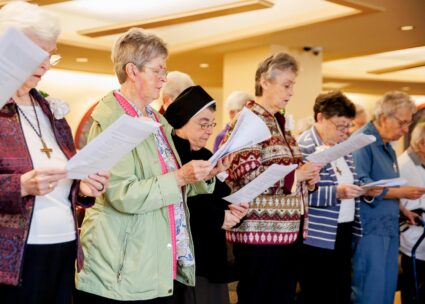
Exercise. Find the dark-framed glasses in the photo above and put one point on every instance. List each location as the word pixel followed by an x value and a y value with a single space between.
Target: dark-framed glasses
pixel 341 128
pixel 402 123
pixel 206 126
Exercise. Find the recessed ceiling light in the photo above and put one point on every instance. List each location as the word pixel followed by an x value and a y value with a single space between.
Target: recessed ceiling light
pixel 81 59
pixel 204 65
pixel 407 27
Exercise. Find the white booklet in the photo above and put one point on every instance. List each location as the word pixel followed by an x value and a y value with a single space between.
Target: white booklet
pixel 391 182
pixel 104 151
pixel 19 58
pixel 248 131
pixel 346 147
pixel 257 186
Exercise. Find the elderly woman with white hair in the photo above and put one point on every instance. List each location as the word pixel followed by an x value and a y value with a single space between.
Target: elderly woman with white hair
pixel 38 229
pixel 176 83
pixel 375 257
pixel 234 104
pixel 412 168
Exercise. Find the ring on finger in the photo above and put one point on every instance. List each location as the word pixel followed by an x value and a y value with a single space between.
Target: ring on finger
pixel 102 187
pixel 50 185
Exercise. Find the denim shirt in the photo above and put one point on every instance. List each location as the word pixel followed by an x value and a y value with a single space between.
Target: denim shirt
pixel 374 162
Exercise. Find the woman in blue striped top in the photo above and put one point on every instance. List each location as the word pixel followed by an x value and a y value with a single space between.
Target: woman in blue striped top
pixel 334 220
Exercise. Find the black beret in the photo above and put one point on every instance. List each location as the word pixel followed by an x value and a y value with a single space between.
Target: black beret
pixel 186 105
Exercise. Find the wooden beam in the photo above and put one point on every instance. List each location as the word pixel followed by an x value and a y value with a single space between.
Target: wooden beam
pixel 216 11
pixel 398 68
pixel 39 2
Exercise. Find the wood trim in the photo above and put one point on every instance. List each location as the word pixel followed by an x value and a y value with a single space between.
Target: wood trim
pixel 39 2
pixel 216 11
pixel 398 68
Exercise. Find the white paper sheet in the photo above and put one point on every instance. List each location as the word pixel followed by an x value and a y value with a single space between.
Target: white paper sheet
pixel 248 131
pixel 264 181
pixel 19 58
pixel 348 146
pixel 392 182
pixel 110 146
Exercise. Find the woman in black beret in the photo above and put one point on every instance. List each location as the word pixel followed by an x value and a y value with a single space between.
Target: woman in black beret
pixel 192 115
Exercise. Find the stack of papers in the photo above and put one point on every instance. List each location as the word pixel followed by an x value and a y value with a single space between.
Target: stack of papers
pixel 248 131
pixel 384 183
pixel 346 147
pixel 110 146
pixel 264 181
pixel 19 58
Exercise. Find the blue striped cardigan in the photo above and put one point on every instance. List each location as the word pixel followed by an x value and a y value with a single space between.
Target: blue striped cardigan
pixel 323 204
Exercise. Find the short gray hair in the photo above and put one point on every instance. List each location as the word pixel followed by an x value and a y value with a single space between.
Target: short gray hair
pixel 237 100
pixel 29 19
pixel 418 134
pixel 138 47
pixel 279 61
pixel 391 102
pixel 176 83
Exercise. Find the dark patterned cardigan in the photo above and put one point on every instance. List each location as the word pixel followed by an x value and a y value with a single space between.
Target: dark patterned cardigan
pixel 16 211
pixel 274 217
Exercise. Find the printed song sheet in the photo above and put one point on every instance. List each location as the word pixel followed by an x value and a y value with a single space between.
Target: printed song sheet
pixel 264 181
pixel 110 146
pixel 392 182
pixel 248 131
pixel 348 146
pixel 19 58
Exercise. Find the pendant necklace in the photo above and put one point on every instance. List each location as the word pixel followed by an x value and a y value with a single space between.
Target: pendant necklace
pixel 45 149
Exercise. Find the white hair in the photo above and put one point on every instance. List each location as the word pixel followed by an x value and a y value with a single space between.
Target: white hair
pixel 237 100
pixel 176 83
pixel 29 19
pixel 391 102
pixel 418 134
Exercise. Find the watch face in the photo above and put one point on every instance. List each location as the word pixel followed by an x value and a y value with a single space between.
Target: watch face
pixel 84 128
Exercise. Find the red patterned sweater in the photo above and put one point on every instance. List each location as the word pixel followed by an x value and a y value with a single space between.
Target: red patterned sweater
pixel 274 217
pixel 16 211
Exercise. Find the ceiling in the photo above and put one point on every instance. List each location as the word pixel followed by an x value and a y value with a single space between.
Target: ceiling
pixel 364 49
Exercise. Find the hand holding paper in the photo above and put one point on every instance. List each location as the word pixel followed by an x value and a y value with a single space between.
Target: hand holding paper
pixel 110 146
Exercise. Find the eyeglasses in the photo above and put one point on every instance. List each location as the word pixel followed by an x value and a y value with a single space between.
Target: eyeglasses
pixel 159 72
pixel 54 59
pixel 208 126
pixel 341 127
pixel 403 123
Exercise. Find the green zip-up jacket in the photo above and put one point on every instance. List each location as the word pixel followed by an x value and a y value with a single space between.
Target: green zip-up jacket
pixel 126 236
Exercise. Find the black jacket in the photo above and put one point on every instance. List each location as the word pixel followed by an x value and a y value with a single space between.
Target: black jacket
pixel 206 220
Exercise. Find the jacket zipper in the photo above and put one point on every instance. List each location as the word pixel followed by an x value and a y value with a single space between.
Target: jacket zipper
pixel 120 269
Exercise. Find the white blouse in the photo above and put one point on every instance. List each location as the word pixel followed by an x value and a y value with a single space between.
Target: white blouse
pixel 52 219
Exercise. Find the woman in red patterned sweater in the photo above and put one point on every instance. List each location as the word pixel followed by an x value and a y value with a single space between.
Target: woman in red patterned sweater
pixel 267 243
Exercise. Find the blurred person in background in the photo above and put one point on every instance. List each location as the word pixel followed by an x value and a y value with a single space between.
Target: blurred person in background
pixel 234 104
pixel 176 83
pixel 412 168
pixel 359 120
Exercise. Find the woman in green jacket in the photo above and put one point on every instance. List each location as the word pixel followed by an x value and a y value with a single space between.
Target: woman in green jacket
pixel 136 238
